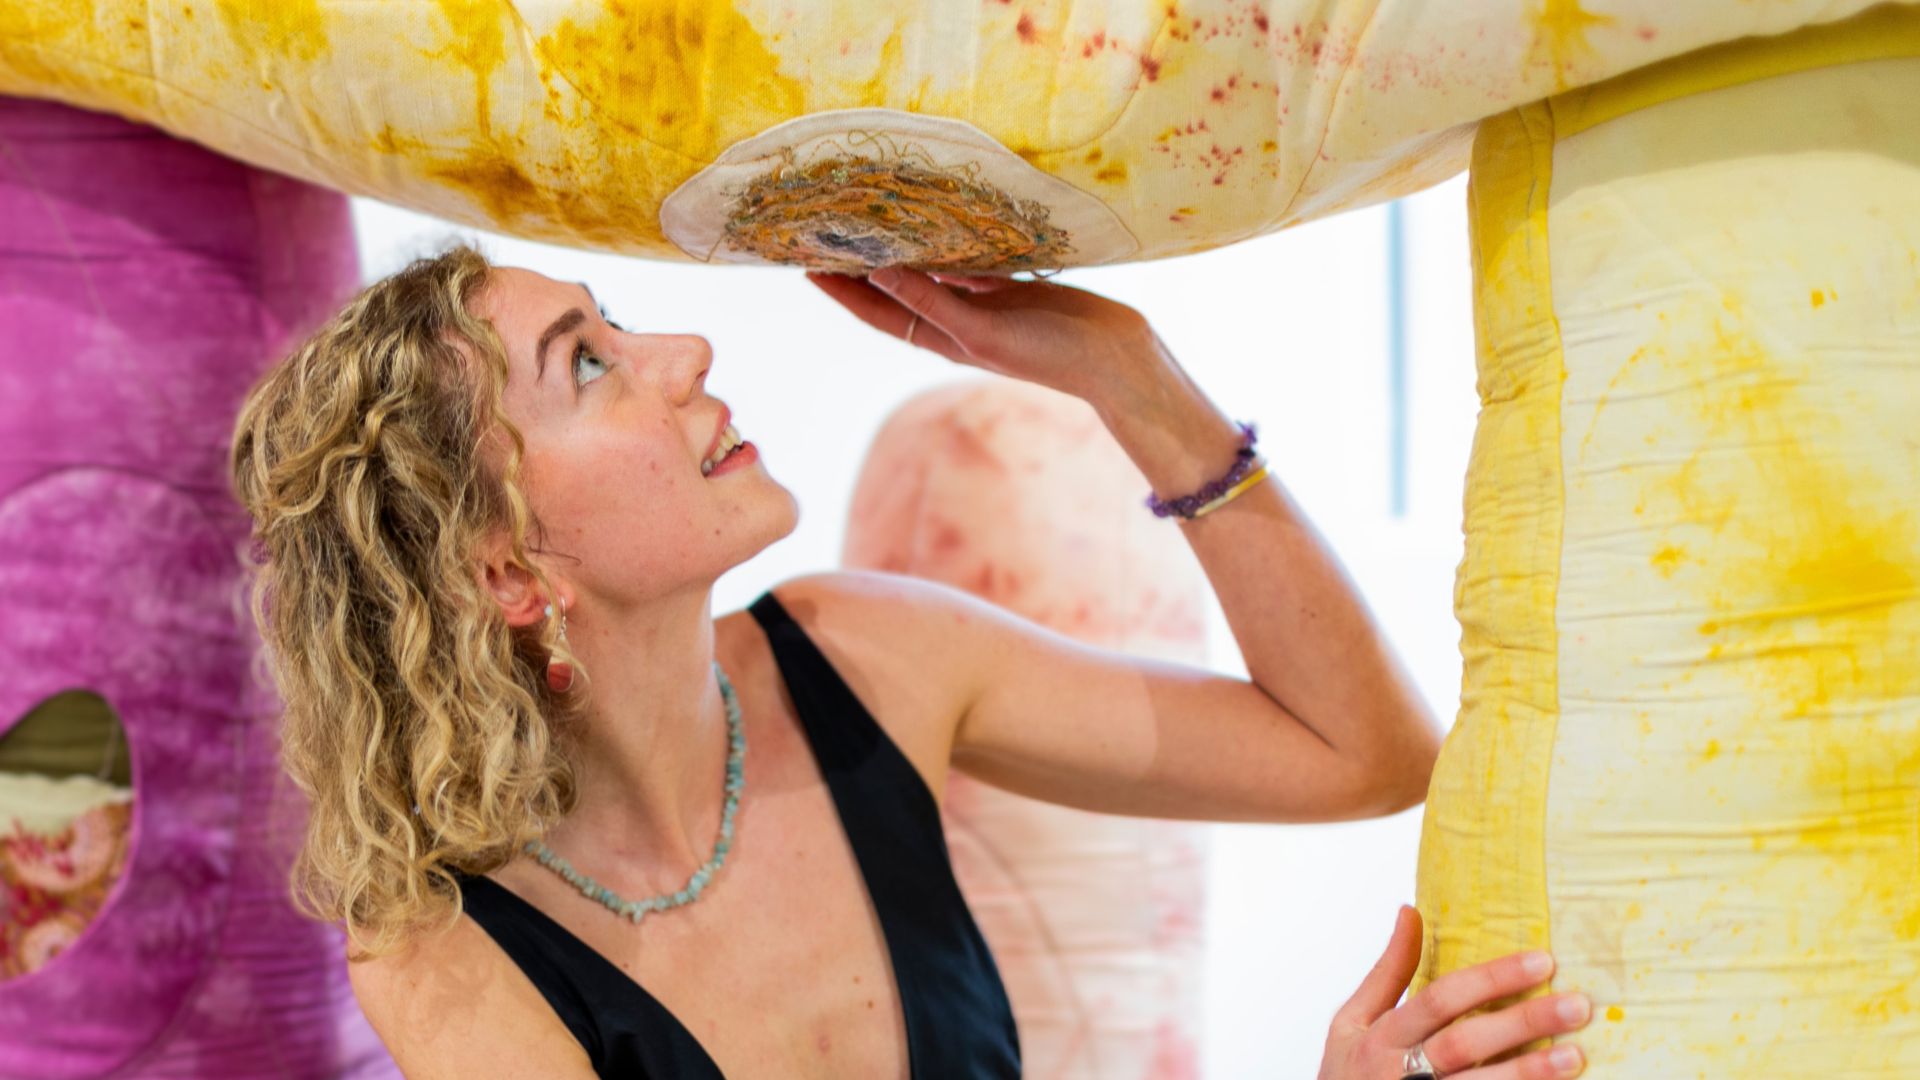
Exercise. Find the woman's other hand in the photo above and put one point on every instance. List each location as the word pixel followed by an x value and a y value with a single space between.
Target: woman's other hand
pixel 1370 1037
pixel 1065 338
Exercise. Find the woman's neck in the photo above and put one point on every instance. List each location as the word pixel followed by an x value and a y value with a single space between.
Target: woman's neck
pixel 651 751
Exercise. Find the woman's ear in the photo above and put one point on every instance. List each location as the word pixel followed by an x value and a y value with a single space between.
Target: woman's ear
pixel 512 586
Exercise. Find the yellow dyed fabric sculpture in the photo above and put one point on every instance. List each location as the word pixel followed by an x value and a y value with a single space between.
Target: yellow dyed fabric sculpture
pixel 967 134
pixel 1689 756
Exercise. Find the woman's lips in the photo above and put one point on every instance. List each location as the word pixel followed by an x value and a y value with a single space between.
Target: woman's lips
pixel 742 456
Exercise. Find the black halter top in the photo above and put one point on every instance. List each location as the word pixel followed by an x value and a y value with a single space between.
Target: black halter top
pixel 959 1021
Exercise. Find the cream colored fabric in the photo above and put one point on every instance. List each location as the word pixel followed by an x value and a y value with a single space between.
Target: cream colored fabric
pixel 1718 810
pixel 46 804
pixel 1197 122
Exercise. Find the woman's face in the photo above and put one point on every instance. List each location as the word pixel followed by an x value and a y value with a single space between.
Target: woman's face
pixel 617 425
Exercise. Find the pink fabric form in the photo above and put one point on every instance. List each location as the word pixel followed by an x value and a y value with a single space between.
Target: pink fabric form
pixel 144 284
pixel 1020 496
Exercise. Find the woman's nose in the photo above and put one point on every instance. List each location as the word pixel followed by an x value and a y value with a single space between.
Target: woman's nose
pixel 690 358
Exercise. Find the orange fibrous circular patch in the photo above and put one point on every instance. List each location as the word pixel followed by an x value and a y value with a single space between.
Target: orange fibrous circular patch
pixel 853 215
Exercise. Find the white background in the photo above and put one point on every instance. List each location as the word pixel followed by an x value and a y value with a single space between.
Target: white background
pixel 1290 330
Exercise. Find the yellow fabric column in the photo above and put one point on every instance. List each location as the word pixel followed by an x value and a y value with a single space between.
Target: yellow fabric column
pixel 1690 763
pixel 1482 874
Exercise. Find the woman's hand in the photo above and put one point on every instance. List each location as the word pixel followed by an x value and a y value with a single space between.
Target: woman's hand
pixel 1370 1037
pixel 1060 337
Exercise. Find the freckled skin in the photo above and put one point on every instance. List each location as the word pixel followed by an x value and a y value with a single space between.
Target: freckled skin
pixel 624 541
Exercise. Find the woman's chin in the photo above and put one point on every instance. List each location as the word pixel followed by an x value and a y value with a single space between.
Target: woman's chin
pixel 770 515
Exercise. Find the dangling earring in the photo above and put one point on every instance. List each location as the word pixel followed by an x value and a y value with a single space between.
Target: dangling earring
pixel 559 671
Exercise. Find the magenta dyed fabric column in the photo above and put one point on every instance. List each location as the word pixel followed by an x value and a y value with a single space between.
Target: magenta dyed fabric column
pixel 144 284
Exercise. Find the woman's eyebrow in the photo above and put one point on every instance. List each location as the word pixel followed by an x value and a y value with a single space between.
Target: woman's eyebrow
pixel 573 317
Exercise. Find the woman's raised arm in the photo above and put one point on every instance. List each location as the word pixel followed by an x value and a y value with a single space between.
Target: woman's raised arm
pixel 1330 725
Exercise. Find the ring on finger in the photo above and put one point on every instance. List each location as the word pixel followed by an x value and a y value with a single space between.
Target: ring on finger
pixel 1415 1066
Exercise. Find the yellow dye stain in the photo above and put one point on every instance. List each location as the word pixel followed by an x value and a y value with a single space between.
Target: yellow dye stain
pixel 1615 1014
pixel 39 38
pixel 1872 831
pixel 389 141
pixel 266 29
pixel 1112 174
pixel 1626 371
pixel 1668 559
pixel 1712 750
pixel 1560 36
pixel 1814 614
pixel 691 77
pixel 478 44
pixel 887 73
pixel 623 86
pixel 497 182
pixel 1819 298
pixel 1812 594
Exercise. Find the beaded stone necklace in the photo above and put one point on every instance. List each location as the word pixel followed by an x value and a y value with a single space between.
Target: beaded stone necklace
pixel 736 782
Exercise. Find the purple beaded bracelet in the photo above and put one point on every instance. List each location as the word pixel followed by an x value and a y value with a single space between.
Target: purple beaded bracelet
pixel 1185 506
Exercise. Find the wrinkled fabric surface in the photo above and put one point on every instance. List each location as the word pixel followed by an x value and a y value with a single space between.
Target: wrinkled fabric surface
pixel 1192 124
pixel 1688 757
pixel 144 284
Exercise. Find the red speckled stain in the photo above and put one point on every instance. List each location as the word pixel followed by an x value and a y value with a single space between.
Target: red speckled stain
pixel 1175 1057
pixel 970 451
pixel 1150 68
pixel 947 538
pixel 1025 28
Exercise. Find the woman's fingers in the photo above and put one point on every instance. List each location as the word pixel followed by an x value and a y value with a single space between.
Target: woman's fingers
pixel 1479 1038
pixel 868 304
pixel 1553 1063
pixel 1389 977
pixel 1455 994
pixel 977 283
pixel 1370 1037
pixel 932 301
pixel 881 311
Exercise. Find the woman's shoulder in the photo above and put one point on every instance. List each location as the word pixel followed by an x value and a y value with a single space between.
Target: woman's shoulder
pixel 449 1003
pixel 921 632
pixel 901 645
pixel 890 608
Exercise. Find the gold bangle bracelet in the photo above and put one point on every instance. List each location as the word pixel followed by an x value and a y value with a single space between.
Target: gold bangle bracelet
pixel 1233 492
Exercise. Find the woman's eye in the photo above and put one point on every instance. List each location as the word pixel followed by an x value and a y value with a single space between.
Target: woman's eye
pixel 586 366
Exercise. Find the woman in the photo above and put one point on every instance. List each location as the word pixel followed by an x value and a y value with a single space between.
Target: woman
pixel 489 522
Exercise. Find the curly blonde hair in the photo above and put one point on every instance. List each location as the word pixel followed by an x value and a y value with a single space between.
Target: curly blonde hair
pixel 418 723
